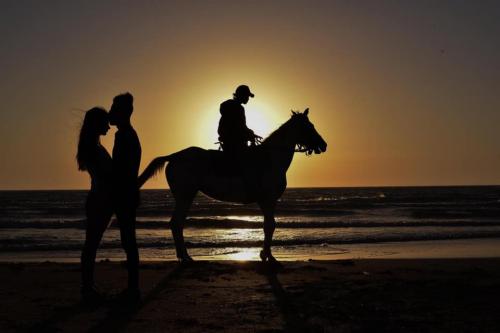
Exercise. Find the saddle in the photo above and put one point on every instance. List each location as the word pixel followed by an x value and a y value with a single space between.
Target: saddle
pixel 235 178
pixel 247 164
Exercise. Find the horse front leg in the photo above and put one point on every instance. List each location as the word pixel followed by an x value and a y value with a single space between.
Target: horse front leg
pixel 269 227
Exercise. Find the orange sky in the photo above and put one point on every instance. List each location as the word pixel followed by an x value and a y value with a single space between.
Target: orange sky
pixel 404 94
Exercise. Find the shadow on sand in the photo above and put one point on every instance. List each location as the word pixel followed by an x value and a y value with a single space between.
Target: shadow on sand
pixel 119 315
pixel 61 314
pixel 291 316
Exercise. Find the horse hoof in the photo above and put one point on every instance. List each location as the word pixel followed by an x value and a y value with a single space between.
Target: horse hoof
pixel 263 255
pixel 272 260
pixel 185 259
pixel 267 256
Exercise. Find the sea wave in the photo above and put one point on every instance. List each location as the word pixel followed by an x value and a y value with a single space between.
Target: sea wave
pixel 30 245
pixel 217 223
pixel 338 198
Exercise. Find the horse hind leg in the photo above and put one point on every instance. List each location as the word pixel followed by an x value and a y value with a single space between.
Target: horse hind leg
pixel 177 221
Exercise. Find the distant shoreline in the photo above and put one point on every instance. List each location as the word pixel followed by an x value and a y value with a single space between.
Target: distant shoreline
pixel 290 187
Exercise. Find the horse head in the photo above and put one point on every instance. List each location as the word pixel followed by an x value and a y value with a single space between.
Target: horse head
pixel 307 138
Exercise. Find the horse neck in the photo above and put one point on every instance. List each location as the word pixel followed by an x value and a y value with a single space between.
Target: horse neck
pixel 282 146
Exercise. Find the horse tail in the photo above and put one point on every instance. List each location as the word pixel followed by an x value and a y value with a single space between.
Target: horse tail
pixel 154 167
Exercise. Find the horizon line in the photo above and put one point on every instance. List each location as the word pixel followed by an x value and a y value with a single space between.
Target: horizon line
pixel 290 187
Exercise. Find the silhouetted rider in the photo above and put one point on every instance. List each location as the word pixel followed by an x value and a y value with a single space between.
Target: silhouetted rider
pixel 233 131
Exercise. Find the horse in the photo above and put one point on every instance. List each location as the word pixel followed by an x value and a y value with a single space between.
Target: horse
pixel 195 169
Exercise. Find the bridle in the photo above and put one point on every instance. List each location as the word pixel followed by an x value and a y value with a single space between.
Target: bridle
pixel 300 148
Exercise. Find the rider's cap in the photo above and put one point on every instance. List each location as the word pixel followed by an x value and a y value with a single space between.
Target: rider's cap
pixel 243 90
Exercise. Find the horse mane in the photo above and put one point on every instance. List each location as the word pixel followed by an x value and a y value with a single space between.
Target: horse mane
pixel 277 132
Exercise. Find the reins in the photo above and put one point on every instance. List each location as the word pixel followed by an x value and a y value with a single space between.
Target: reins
pixel 258 141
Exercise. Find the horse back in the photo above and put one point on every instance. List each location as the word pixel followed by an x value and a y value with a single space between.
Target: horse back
pixel 218 174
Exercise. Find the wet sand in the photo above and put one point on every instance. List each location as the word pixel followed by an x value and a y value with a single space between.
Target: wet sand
pixel 369 295
pixel 432 249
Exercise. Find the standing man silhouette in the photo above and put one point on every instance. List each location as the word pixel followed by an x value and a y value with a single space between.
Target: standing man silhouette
pixel 233 131
pixel 125 168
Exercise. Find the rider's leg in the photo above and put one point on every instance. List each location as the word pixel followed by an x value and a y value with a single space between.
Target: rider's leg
pixel 246 170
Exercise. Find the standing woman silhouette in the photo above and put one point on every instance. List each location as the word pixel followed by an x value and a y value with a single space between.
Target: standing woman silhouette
pixel 93 158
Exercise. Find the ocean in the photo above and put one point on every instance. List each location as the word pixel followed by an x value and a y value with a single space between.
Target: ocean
pixel 311 222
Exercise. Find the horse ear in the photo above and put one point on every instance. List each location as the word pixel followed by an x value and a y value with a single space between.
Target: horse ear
pixel 306 112
pixel 293 112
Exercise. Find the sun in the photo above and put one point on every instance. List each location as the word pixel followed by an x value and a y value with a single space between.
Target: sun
pixel 260 117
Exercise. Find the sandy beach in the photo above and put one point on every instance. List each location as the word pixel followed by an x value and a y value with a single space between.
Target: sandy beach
pixel 391 295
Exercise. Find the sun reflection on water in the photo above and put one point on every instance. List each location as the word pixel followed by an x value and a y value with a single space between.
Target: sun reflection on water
pixel 250 218
pixel 244 254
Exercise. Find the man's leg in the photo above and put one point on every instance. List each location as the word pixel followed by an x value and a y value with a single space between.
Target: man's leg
pixel 126 221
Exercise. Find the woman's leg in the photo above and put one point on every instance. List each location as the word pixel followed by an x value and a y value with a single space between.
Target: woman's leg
pixel 97 222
